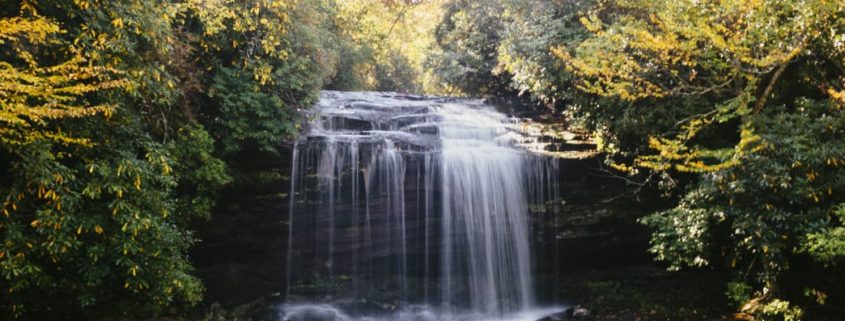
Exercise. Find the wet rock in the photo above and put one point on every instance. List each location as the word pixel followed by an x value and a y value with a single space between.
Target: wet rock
pixel 560 316
pixel 579 313
pixel 314 313
pixel 572 313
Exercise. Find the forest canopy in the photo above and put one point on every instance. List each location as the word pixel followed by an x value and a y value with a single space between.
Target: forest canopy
pixel 121 121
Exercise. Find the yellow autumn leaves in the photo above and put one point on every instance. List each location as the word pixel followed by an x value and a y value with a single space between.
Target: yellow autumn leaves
pixel 735 50
pixel 33 97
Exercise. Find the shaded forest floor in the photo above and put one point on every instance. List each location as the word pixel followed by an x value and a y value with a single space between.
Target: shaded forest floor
pixel 648 293
pixel 633 293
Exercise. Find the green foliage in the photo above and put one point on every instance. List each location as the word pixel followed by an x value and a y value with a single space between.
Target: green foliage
pixel 780 310
pixel 353 68
pixel 199 173
pixel 531 28
pixel 248 115
pixel 828 245
pixel 738 292
pixel 776 203
pixel 643 50
pixel 266 60
pixel 497 47
pixel 396 74
pixel 99 226
pixel 468 38
pixel 110 114
pixel 384 44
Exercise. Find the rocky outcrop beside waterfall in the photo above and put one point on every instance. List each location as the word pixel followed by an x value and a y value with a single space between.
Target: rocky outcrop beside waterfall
pixel 595 223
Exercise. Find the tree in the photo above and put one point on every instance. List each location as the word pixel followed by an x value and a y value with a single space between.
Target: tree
pixel 753 84
pixel 88 209
pixel 531 29
pixel 385 44
pixel 468 37
pixel 733 52
pixel 34 98
pixel 107 143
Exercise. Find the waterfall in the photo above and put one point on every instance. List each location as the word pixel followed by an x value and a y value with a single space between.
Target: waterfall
pixel 485 230
pixel 414 200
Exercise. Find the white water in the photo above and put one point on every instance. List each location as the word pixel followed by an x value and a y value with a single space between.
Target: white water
pixel 417 206
pixel 325 312
pixel 485 231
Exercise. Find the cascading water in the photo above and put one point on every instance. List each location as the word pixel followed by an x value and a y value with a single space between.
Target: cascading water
pixel 410 200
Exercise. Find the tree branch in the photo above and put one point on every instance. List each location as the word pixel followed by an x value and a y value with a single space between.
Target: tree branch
pixel 771 86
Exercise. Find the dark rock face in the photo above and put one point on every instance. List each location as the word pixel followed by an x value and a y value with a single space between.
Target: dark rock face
pixel 576 221
pixel 594 226
pixel 240 255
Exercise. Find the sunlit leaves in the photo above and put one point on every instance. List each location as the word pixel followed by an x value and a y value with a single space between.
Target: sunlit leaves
pixel 828 245
pixel 731 52
pixel 780 200
pixel 660 48
pixel 257 30
pixel 386 44
pixel 32 97
pixel 87 195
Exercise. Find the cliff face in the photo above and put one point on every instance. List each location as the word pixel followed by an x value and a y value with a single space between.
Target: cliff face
pixel 581 219
pixel 595 224
pixel 242 251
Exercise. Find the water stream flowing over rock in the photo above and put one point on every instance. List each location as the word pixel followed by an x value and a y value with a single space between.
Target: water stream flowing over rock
pixel 402 201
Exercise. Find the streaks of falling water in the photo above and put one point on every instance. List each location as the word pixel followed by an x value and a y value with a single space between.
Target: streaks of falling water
pixel 416 200
pixel 484 211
